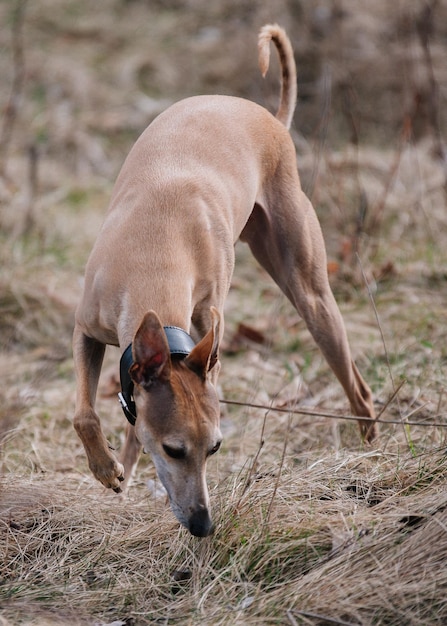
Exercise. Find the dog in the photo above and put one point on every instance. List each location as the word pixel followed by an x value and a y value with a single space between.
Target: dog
pixel 206 172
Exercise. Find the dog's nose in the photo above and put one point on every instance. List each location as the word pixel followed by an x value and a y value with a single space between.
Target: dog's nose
pixel 200 524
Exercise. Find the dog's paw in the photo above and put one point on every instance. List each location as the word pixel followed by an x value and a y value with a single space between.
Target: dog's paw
pixel 121 479
pixel 369 431
pixel 109 472
pixel 116 478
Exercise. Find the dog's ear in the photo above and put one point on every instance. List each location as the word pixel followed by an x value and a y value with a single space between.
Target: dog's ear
pixel 204 356
pixel 152 360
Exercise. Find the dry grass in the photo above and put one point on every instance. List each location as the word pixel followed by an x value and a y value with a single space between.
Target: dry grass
pixel 358 538
pixel 312 528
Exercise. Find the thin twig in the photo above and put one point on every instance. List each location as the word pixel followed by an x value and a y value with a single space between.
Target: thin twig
pixel 29 220
pixel 424 28
pixel 353 418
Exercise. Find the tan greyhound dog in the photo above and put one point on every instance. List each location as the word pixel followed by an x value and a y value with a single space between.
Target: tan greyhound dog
pixel 206 172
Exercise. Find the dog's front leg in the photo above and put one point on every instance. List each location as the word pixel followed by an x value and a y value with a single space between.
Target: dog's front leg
pixel 88 356
pixel 129 455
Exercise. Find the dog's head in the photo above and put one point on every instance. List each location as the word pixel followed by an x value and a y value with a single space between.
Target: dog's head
pixel 178 416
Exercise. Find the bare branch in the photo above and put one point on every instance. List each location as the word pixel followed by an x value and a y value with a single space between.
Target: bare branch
pixel 18 80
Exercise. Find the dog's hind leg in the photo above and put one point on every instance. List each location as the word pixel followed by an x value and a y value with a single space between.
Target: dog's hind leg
pixel 88 357
pixel 286 239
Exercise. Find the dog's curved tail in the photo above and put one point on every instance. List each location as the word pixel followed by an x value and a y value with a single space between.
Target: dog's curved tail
pixel 273 32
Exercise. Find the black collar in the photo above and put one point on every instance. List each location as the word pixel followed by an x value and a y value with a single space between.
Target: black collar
pixel 180 345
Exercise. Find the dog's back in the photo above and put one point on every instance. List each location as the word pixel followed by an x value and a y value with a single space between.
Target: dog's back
pixel 187 185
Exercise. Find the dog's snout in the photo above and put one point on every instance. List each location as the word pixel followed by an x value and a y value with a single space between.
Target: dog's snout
pixel 200 524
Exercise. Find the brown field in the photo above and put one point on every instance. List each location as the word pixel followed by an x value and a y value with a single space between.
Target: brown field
pixel 313 527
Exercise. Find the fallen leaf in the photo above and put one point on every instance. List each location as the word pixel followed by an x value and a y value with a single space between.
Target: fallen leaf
pixel 333 267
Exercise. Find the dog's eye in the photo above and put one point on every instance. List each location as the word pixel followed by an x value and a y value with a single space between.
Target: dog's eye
pixel 174 453
pixel 215 449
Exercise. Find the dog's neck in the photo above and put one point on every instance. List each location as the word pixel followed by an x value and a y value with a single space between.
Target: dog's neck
pixel 180 345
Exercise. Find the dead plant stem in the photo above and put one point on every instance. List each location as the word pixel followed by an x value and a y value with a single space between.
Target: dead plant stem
pixel 18 80
pixel 325 618
pixel 255 458
pixel 281 465
pixel 391 398
pixel 379 325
